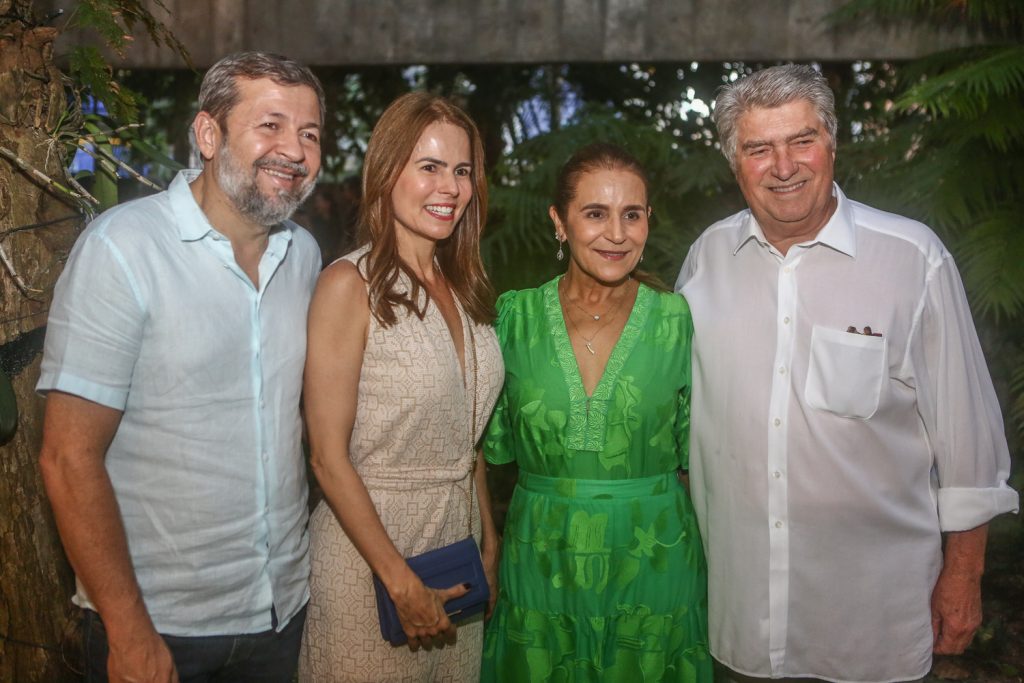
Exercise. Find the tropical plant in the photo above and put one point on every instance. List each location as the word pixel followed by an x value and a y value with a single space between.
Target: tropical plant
pixel 41 209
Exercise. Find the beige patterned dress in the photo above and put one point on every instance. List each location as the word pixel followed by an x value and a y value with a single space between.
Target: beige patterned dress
pixel 411 445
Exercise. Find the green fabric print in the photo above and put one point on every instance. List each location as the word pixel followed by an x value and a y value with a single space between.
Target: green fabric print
pixel 626 570
pixel 586 532
pixel 602 574
pixel 645 542
pixel 557 420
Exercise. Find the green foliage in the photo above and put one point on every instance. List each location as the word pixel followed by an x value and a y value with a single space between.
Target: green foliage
pixel 993 262
pixel 104 186
pixel 115 21
pixel 88 67
pixel 965 84
pixel 1016 408
pixel 952 154
pixel 101 136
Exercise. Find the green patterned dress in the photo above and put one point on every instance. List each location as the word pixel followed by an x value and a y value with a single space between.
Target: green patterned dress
pixel 602 572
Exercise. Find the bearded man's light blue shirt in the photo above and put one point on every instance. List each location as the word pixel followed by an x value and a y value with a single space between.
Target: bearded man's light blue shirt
pixel 152 316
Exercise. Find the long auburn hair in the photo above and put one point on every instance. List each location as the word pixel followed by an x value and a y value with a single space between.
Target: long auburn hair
pixel 391 145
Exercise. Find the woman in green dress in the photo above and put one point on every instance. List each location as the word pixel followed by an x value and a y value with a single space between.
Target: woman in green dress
pixel 602 573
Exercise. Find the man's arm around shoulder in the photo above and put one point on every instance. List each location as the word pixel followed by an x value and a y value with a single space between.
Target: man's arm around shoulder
pixel 76 435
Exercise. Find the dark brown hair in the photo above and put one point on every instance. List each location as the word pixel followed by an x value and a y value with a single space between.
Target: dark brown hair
pixel 390 147
pixel 594 157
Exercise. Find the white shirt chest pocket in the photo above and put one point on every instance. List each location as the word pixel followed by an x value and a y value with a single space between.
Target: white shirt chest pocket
pixel 846 372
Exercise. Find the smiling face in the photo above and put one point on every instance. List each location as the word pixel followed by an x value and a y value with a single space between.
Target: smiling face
pixel 784 167
pixel 435 186
pixel 266 156
pixel 605 224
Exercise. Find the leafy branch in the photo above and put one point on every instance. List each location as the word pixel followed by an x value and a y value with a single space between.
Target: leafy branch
pixel 115 21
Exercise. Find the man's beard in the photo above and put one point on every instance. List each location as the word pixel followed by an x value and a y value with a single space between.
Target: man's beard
pixel 242 189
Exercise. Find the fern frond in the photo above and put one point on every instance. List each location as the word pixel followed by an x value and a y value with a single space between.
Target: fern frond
pixel 966 89
pixel 991 261
pixel 1016 408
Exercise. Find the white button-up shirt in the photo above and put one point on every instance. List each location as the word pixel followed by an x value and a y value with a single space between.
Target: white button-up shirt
pixel 825 463
pixel 153 316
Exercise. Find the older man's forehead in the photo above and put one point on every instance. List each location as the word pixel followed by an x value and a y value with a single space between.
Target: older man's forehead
pixel 786 122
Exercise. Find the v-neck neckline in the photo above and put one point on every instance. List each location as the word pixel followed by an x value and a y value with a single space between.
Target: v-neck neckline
pixel 464 323
pixel 588 414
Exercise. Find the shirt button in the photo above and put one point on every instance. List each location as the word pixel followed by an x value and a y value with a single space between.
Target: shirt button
pixel 777 474
pixel 778 525
pixel 782 371
pixel 777 422
pixel 785 321
pixel 266 457
pixel 787 269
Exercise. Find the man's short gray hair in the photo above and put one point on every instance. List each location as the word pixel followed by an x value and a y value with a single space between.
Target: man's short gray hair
pixel 219 92
pixel 767 89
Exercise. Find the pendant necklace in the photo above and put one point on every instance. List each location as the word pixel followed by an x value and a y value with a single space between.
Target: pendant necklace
pixel 588 342
pixel 595 316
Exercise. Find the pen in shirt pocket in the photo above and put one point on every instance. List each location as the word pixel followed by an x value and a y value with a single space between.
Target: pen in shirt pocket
pixel 867 331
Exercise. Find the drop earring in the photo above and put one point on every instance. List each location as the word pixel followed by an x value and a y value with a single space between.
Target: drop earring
pixel 559 254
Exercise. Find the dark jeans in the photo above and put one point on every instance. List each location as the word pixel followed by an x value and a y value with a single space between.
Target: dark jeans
pixel 267 657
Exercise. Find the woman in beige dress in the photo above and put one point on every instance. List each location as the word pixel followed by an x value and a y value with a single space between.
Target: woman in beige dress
pixel 400 353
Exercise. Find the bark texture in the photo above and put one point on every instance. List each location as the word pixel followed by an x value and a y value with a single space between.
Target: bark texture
pixel 37 640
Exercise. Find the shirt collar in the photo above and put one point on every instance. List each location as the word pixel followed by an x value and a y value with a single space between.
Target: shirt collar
pixel 838 232
pixel 192 222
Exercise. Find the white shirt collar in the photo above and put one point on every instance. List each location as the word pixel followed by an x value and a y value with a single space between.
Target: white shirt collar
pixel 838 232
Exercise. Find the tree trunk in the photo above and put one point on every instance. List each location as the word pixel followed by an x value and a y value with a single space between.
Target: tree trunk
pixel 37 622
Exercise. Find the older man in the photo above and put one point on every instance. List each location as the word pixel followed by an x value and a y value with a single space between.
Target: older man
pixel 847 445
pixel 173 368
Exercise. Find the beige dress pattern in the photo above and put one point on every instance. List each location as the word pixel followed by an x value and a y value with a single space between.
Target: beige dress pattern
pixel 411 445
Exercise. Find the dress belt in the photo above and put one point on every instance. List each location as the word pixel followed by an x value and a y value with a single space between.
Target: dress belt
pixel 598 488
pixel 414 480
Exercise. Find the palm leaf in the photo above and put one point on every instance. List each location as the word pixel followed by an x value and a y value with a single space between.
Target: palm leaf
pixel 991 259
pixel 966 89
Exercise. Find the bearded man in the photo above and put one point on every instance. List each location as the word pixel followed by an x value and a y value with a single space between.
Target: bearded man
pixel 172 370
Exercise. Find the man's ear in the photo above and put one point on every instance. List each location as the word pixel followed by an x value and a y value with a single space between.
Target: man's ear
pixel 208 133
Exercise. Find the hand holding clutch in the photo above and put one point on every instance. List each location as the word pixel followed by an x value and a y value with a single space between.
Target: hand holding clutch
pixel 456 572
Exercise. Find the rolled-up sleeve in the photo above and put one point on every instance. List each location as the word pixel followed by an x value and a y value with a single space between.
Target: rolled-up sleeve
pixel 959 408
pixel 95 324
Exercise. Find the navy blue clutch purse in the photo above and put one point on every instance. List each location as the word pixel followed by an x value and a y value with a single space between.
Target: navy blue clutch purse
pixel 443 567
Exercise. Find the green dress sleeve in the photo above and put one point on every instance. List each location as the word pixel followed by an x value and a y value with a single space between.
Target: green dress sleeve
pixel 497 443
pixel 682 423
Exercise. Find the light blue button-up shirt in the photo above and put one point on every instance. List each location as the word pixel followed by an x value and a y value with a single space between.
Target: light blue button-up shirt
pixel 153 316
